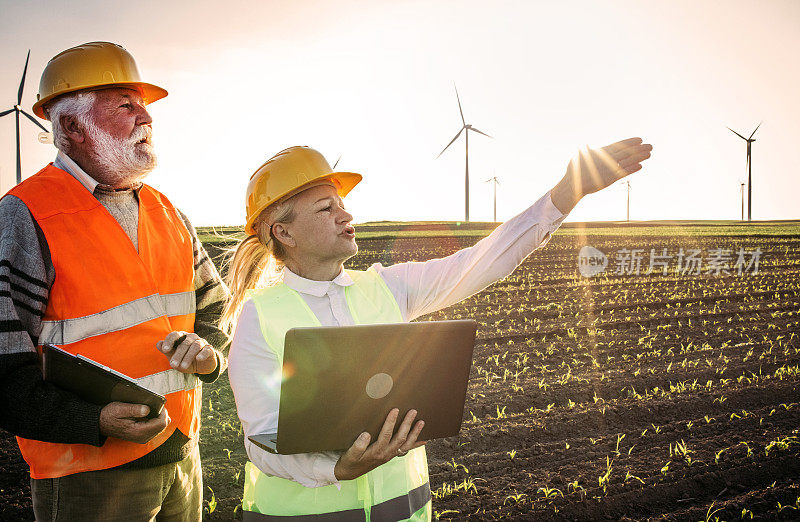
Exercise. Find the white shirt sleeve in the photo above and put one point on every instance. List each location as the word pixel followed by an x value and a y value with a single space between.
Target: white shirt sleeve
pixel 424 287
pixel 255 379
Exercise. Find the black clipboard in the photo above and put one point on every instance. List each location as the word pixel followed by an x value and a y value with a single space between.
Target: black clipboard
pixel 94 382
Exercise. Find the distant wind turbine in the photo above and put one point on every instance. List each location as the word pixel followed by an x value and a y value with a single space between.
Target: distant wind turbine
pixel 629 200
pixel 467 127
pixel 496 182
pixel 749 141
pixel 18 109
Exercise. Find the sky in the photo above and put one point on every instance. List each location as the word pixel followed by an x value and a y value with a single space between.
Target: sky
pixel 373 82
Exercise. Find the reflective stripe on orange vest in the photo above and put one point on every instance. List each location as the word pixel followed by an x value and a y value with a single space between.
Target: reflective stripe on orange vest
pixel 112 303
pixel 169 381
pixel 68 331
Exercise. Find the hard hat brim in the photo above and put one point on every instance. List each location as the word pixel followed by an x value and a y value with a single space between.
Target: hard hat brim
pixel 343 181
pixel 149 92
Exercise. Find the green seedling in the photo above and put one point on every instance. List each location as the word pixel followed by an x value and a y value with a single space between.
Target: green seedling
pixel 455 465
pixel 628 477
pixel 718 455
pixel 605 478
pixel 549 493
pixel 710 513
pixel 619 439
pixel 212 503
pixel 749 451
pixel 518 498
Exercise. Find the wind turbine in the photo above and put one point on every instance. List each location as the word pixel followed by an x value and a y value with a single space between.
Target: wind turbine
pixel 627 182
pixel 749 141
pixel 496 182
pixel 18 109
pixel 465 126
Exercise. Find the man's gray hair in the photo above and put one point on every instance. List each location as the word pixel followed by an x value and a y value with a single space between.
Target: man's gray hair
pixel 76 104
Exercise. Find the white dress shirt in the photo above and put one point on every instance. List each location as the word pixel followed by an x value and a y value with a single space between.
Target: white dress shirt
pixel 419 288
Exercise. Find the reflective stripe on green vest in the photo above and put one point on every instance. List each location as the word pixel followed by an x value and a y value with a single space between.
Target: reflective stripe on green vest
pixel 397 490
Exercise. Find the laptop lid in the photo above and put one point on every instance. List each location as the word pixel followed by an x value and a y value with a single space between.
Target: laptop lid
pixel 341 381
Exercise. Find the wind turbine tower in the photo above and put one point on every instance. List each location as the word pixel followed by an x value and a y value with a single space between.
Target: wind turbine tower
pixel 749 141
pixel 18 110
pixel 741 189
pixel 628 214
pixel 465 126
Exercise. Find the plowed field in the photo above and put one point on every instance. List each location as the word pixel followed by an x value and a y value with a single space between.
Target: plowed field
pixel 624 396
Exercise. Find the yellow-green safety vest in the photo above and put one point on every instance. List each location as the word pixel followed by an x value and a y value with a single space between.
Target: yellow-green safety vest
pixel 397 490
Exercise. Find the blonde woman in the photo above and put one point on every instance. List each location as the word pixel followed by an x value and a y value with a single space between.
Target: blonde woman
pixel 289 273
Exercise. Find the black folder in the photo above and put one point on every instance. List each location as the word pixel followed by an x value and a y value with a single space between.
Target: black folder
pixel 94 382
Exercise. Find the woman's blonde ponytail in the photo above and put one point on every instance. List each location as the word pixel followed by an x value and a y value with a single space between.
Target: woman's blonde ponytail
pixel 254 262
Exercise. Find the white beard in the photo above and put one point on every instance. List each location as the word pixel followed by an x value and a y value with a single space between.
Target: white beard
pixel 122 162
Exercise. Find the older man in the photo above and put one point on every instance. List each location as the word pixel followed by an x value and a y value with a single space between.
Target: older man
pixel 98 263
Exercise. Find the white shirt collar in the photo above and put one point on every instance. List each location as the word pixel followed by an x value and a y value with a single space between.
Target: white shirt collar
pixel 69 165
pixel 315 288
pixel 66 163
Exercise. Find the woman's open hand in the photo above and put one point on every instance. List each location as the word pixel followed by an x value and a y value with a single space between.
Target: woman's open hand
pixel 363 457
pixel 595 169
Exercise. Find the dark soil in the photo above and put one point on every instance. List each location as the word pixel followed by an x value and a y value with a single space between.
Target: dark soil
pixel 620 397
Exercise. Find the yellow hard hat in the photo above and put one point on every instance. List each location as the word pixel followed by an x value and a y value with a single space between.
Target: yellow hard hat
pixel 93 65
pixel 287 173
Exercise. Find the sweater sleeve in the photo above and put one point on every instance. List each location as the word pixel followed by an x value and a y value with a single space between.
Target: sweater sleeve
pixel 30 407
pixel 211 294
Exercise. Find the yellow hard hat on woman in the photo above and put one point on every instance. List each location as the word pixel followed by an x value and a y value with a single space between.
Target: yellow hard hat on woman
pixel 287 173
pixel 91 66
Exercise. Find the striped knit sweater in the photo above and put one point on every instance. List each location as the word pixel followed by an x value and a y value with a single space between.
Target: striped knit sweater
pixel 33 409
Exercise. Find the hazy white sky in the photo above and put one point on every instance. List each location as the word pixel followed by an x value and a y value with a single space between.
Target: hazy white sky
pixel 373 81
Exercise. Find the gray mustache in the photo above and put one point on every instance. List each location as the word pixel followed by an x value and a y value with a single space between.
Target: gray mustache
pixel 142 131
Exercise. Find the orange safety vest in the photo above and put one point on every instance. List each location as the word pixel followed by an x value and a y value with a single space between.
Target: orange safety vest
pixel 112 305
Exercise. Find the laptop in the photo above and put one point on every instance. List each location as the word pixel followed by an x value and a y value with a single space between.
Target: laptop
pixel 341 381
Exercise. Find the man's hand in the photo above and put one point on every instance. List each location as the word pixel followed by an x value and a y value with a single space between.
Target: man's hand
pixel 596 169
pixel 127 421
pixel 190 354
pixel 363 457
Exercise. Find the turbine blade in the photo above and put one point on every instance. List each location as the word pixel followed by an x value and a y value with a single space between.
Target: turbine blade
pixel 451 142
pixel 6 112
pixel 459 105
pixel 34 121
pixel 733 131
pixel 480 132
pixel 22 82
pixel 759 125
